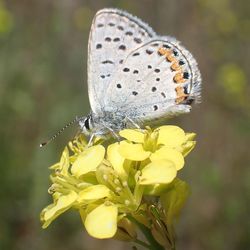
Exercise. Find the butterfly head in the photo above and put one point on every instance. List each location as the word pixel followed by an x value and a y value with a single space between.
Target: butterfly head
pixel 86 124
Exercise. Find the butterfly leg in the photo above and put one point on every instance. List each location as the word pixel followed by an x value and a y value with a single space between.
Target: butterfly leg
pixel 91 139
pixel 132 122
pixel 135 124
pixel 113 133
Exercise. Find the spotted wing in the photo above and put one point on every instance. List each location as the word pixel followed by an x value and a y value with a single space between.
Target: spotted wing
pixel 157 80
pixel 114 34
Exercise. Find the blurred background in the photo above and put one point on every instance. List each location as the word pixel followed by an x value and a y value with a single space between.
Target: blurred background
pixel 43 85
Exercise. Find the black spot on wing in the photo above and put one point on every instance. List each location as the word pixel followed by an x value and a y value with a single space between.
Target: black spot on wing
pixel 189 101
pixel 142 32
pixel 122 47
pixel 155 44
pixel 136 54
pixel 137 40
pixel 175 52
pixel 107 62
pixel 98 46
pixel 107 39
pixel 185 90
pixel 181 62
pixel 126 70
pixel 129 33
pixel 186 75
pixel 149 52
pixel 166 46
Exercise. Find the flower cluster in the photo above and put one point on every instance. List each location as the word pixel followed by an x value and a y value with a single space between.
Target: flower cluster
pixel 125 183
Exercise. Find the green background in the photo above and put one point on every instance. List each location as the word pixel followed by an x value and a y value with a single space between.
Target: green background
pixel 43 61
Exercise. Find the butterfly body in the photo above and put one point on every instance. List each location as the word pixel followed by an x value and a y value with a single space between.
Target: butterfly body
pixel 103 124
pixel 135 77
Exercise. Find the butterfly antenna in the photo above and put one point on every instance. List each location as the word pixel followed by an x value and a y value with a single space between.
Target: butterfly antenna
pixel 59 132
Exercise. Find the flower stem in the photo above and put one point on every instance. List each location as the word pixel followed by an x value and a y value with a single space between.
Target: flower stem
pixel 154 245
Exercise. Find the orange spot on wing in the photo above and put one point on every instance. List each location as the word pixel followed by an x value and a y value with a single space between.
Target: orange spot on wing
pixel 178 78
pixel 181 96
pixel 175 66
pixel 170 57
pixel 162 51
pixel 167 53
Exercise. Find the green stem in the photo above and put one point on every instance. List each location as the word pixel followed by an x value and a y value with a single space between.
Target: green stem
pixel 154 245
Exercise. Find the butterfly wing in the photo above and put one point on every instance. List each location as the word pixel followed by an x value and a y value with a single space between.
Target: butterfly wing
pixel 157 80
pixel 114 34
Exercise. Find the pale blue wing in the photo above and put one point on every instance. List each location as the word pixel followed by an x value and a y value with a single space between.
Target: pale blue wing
pixel 152 85
pixel 114 34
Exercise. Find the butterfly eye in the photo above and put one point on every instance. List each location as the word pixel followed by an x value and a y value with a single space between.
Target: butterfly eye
pixel 86 124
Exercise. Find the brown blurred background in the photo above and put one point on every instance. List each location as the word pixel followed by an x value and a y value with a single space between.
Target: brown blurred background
pixel 43 56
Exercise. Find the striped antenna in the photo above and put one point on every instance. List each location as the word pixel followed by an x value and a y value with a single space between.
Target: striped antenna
pixel 59 132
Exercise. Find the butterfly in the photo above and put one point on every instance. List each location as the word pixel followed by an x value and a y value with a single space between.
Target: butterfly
pixel 135 77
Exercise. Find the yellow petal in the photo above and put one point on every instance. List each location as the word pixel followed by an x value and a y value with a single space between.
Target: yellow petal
pixel 93 193
pixel 190 136
pixel 171 136
pixel 169 154
pixel 88 160
pixel 101 222
pixel 132 135
pixel 63 203
pixel 64 161
pixel 115 158
pixel 186 148
pixel 55 166
pixel 158 171
pixel 134 152
pixel 85 210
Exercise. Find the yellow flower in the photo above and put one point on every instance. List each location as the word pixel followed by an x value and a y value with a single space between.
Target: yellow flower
pixel 61 204
pixel 101 222
pixel 70 187
pixel 157 172
pixel 94 192
pixel 107 184
pixel 171 137
pixel 169 143
pixel 88 160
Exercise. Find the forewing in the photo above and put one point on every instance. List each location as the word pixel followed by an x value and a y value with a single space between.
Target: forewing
pixel 159 79
pixel 114 34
